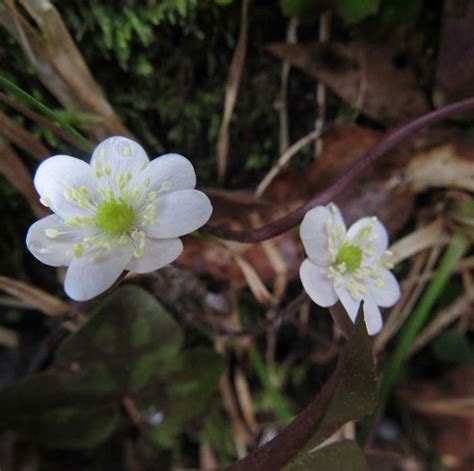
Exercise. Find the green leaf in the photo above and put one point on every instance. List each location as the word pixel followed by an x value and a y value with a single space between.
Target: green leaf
pixel 341 456
pixel 354 11
pixel 129 341
pixel 306 10
pixel 189 391
pixel 355 394
pixel 395 12
pixel 350 394
pixel 58 410
pixel 129 347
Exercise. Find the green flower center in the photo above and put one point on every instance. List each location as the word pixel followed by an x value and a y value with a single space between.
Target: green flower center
pixel 350 255
pixel 114 217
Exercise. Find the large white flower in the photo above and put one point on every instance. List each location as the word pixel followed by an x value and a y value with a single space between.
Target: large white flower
pixel 121 212
pixel 348 265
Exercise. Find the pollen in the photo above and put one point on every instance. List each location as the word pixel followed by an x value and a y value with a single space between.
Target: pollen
pixel 51 233
pixel 114 217
pixel 166 185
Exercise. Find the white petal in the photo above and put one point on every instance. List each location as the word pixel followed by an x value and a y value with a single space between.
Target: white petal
pixel 372 316
pixel 314 235
pixel 168 172
pixel 52 251
pixel 179 213
pixel 316 283
pixel 157 253
pixel 85 279
pixel 378 236
pixel 350 304
pixel 389 293
pixel 121 155
pixel 336 215
pixel 58 174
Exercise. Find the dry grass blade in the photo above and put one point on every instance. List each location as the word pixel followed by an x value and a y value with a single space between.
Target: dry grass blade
pixel 59 63
pixel 41 120
pixel 284 159
pixel 22 138
pixel 245 399
pixel 232 89
pixel 34 297
pixel 410 296
pixel 419 240
pixel 19 176
pixel 242 437
pixel 324 35
pixel 277 262
pixel 462 306
pixel 207 459
pixel 456 407
pixel 255 283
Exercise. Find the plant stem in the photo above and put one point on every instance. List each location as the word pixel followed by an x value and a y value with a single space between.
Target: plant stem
pixel 294 218
pixel 412 327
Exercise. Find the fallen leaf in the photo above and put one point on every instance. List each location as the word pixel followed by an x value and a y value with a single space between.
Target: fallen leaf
pixel 367 76
pixel 446 166
pixel 455 68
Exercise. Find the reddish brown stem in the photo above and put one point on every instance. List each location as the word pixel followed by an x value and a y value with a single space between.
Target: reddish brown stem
pixel 292 219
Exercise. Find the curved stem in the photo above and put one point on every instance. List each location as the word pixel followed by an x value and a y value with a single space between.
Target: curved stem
pixel 292 219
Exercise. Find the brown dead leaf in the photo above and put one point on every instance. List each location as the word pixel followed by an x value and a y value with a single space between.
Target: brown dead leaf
pixel 455 68
pixel 365 75
pixel 207 258
pixel 34 297
pixel 59 63
pixel 237 209
pixel 447 166
pixel 373 192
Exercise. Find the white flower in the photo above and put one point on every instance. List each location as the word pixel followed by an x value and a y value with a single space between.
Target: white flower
pixel 350 266
pixel 121 212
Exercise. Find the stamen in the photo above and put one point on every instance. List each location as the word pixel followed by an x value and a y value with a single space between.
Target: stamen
pixel 379 283
pixel 79 221
pixel 51 233
pixel 77 250
pixel 166 185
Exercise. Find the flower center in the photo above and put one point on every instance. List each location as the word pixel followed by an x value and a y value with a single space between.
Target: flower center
pixel 114 217
pixel 350 255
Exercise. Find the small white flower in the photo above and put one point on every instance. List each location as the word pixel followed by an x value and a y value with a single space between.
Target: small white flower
pixel 121 212
pixel 350 266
